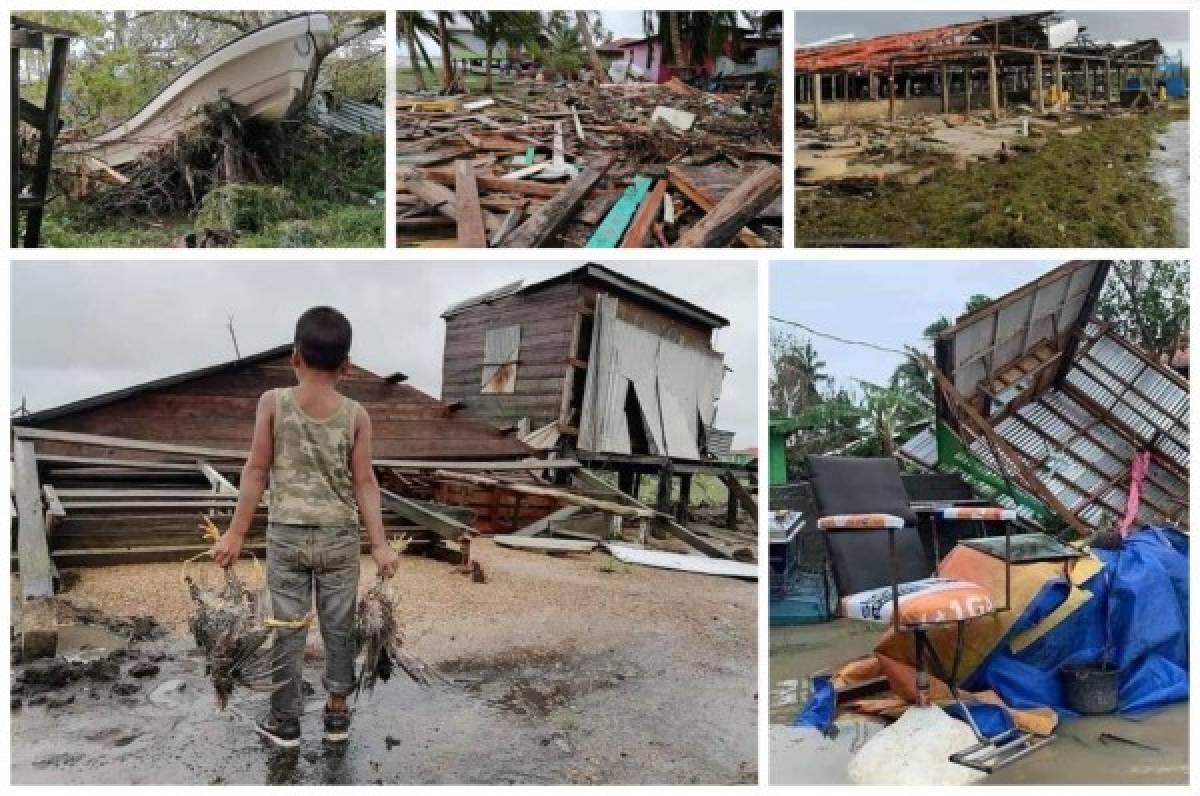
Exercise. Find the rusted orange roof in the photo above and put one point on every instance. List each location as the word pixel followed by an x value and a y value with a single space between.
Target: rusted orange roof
pixel 881 51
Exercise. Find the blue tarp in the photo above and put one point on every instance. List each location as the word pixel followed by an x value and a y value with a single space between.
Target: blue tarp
pixel 1141 597
pixel 821 707
pixel 1138 611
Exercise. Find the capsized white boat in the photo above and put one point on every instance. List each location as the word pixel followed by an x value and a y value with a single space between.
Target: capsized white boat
pixel 263 72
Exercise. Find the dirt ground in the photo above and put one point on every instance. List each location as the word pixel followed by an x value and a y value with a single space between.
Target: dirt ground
pixel 562 670
pixel 1080 755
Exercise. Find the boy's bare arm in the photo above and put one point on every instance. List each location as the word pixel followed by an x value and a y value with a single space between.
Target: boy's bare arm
pixel 253 483
pixel 366 493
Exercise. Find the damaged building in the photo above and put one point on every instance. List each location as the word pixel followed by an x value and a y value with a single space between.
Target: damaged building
pixel 597 366
pixel 1046 409
pixel 1040 59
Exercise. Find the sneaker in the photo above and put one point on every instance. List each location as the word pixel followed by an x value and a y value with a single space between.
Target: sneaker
pixel 284 733
pixel 337 724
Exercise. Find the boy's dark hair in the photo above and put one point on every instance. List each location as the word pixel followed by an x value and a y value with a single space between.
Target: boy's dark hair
pixel 323 338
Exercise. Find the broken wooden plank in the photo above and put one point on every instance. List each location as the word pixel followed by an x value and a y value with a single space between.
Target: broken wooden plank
pixel 563 495
pixel 723 223
pixel 221 485
pixel 550 217
pixel 33 550
pixel 424 515
pixel 662 521
pixel 739 490
pixel 438 196
pixel 541 526
pixel 510 222
pixel 471 234
pixel 640 228
pixel 702 199
pixel 544 545
pixel 610 231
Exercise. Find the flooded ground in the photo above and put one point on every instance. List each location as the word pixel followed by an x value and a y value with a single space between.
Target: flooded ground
pixel 562 670
pixel 1172 170
pixel 1098 750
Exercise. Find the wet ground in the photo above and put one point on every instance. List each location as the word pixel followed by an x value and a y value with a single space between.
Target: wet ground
pixel 1097 750
pixel 643 677
pixel 1170 166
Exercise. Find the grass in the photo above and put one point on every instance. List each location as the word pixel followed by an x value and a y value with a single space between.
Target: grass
pixel 1093 189
pixel 406 81
pixel 300 212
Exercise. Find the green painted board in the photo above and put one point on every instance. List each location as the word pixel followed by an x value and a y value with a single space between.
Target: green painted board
pixel 954 457
pixel 608 234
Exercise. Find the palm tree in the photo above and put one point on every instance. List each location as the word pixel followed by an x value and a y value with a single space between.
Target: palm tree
pixel 564 50
pixel 692 34
pixel 443 34
pixel 585 32
pixel 412 25
pixel 511 27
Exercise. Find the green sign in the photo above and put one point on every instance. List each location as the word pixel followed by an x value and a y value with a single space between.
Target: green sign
pixel 954 457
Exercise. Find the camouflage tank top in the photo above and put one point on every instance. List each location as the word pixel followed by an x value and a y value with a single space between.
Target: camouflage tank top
pixel 310 474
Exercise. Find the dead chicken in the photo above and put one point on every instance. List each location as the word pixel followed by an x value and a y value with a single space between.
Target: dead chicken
pixel 380 638
pixel 230 627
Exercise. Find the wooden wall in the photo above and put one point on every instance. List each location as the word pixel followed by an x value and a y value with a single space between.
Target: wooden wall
pixel 547 320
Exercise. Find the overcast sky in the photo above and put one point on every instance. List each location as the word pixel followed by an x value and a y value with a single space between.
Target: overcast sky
pixel 885 303
pixel 1170 27
pixel 83 328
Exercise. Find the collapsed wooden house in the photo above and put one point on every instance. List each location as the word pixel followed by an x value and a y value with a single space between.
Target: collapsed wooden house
pixel 1042 407
pixel 127 476
pixel 1040 59
pixel 600 367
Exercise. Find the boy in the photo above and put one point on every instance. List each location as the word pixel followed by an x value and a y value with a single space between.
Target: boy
pixel 315 445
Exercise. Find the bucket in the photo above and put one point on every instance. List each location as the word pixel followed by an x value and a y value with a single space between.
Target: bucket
pixel 1091 689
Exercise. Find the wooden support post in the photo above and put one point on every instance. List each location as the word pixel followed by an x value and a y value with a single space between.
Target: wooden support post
pixel 1058 77
pixel 666 481
pixel 1107 81
pixel 846 86
pixel 993 87
pixel 14 146
pixel 908 87
pixel 741 205
pixel 892 95
pixel 816 98
pixel 872 86
pixel 471 232
pixel 36 625
pixel 945 89
pixel 625 480
pixel 1039 85
pixel 550 217
pixel 685 497
pixel 731 511
pixel 967 86
pixel 41 170
pixel 1087 83
pixel 636 491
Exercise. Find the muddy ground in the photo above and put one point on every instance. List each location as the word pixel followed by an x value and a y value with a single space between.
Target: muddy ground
pixel 1082 755
pixel 562 670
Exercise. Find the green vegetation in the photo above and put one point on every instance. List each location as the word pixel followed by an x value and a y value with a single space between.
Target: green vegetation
pixel 1093 189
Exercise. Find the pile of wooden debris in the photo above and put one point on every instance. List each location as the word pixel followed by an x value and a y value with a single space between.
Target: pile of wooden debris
pixel 603 166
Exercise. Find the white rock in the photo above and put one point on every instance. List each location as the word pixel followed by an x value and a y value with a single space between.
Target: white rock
pixel 916 751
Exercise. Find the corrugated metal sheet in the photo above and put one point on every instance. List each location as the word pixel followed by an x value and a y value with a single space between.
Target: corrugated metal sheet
pixel 922 448
pixel 1083 453
pixel 347 116
pixel 718 443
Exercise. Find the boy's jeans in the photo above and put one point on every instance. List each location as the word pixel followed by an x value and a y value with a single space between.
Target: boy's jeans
pixel 299 556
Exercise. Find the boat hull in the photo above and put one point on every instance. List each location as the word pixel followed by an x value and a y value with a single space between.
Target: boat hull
pixel 263 74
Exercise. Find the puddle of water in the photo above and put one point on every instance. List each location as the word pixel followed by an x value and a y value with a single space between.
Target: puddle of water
pixel 1171 169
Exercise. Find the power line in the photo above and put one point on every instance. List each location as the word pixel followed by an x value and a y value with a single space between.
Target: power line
pixel 837 339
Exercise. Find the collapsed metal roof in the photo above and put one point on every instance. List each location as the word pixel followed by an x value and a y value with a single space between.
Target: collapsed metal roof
pixel 1041 391
pixel 1017 35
